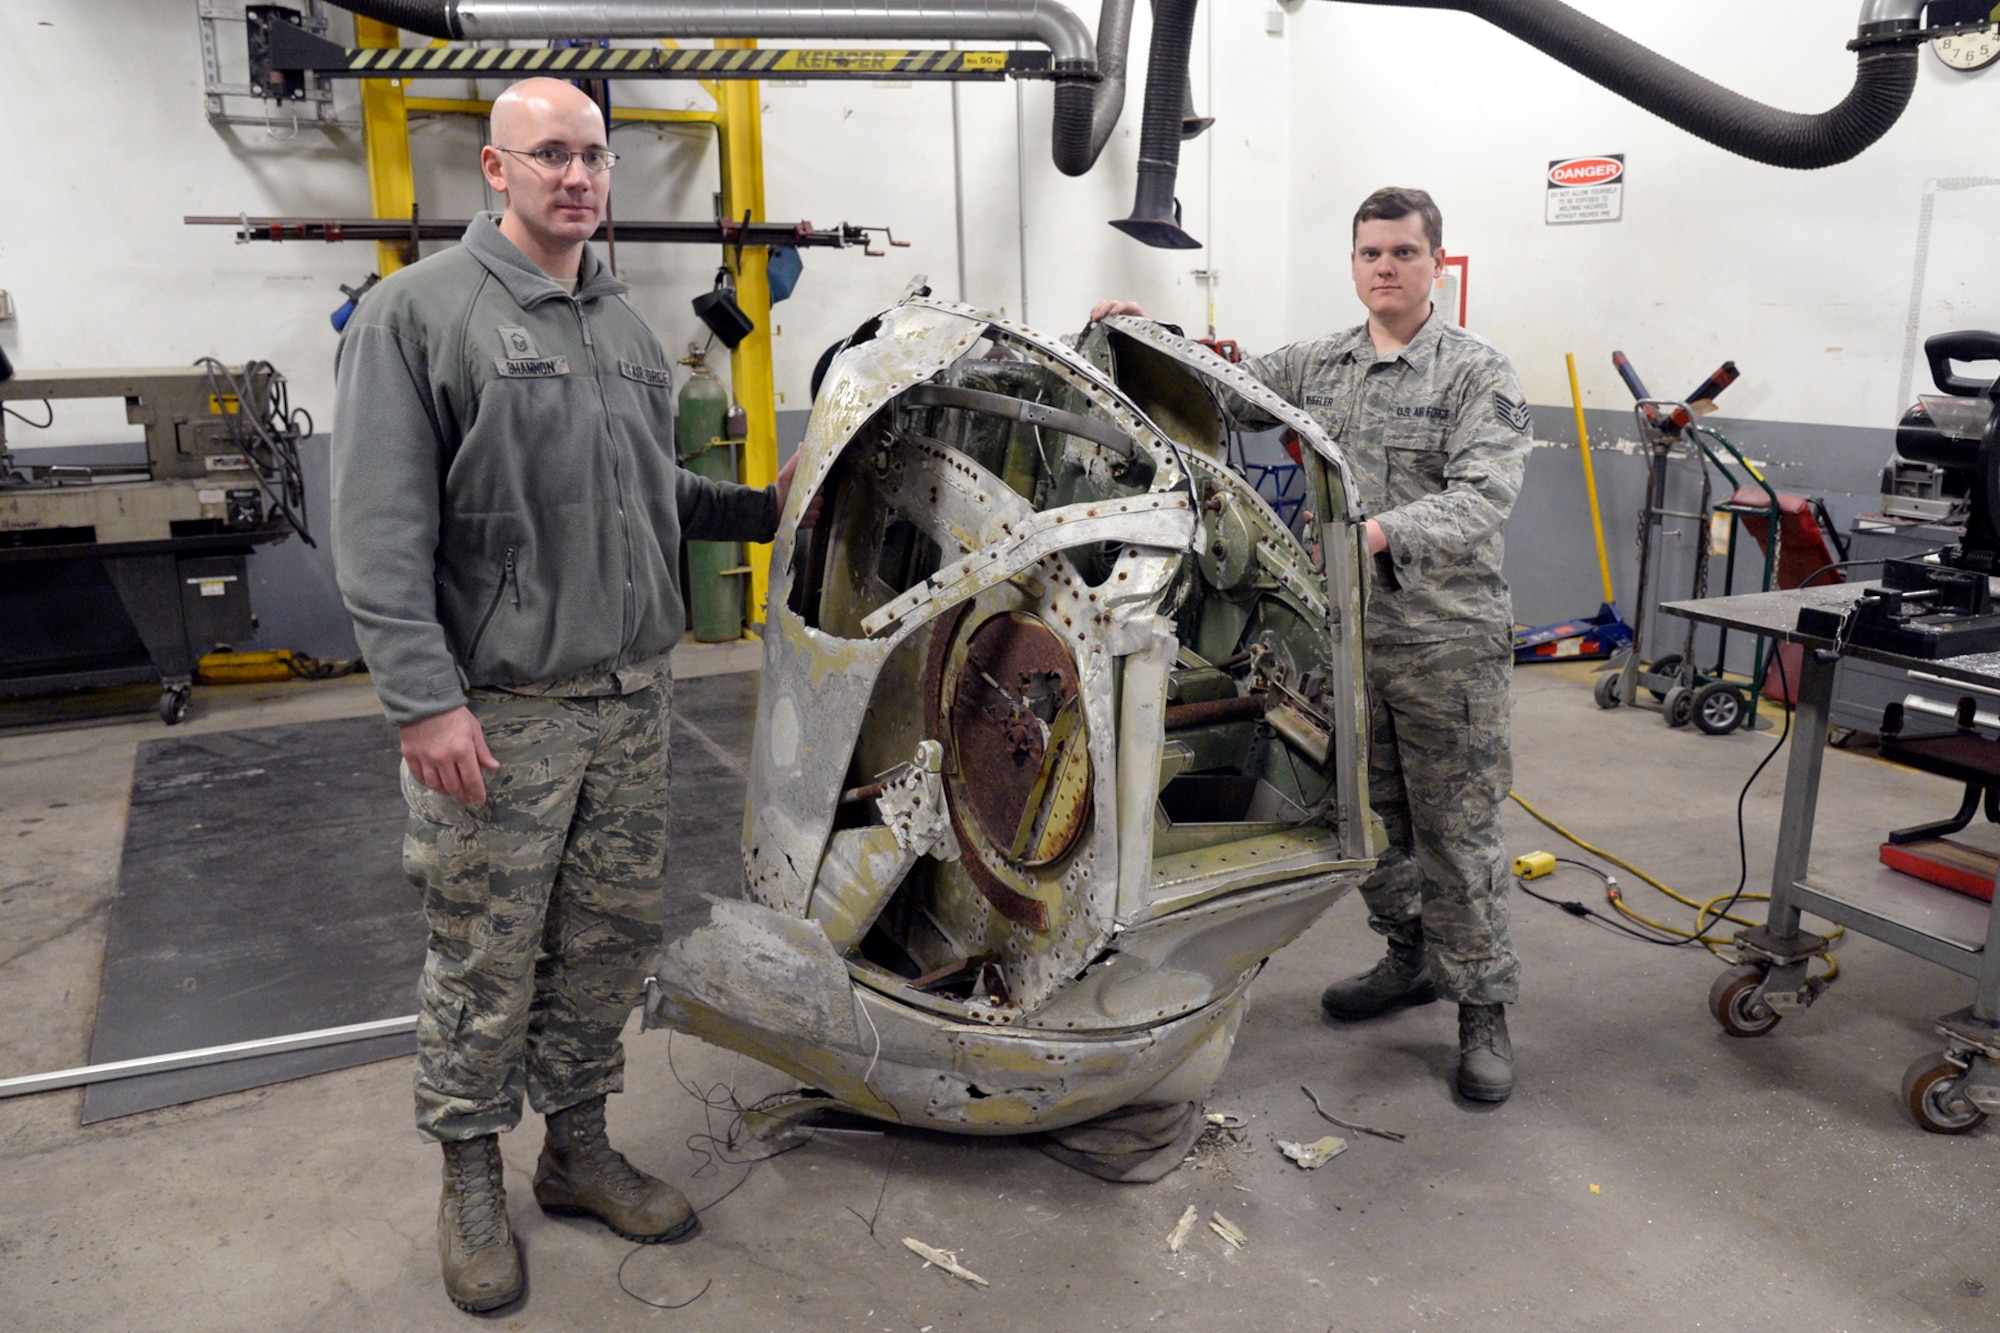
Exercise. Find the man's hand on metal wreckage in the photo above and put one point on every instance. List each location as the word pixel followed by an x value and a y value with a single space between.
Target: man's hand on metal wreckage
pixel 1106 309
pixel 446 751
pixel 811 515
pixel 1378 540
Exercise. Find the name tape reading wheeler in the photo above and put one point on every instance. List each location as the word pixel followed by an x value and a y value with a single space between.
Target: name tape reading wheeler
pixel 1586 189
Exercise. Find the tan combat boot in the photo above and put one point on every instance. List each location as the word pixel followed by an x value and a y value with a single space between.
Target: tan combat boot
pixel 482 1268
pixel 1402 979
pixel 581 1174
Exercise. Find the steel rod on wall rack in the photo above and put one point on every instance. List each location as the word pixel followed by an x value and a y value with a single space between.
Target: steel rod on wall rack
pixel 717 232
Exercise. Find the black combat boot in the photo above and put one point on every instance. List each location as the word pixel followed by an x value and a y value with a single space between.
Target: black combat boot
pixel 482 1268
pixel 1402 979
pixel 1485 1056
pixel 581 1174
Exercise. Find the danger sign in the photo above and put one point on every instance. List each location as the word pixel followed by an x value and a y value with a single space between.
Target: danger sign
pixel 1586 189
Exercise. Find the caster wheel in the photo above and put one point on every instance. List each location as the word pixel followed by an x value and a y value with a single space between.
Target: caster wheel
pixel 1719 708
pixel 1839 737
pixel 1677 706
pixel 1670 665
pixel 174 704
pixel 1729 1000
pixel 1930 1090
pixel 1606 690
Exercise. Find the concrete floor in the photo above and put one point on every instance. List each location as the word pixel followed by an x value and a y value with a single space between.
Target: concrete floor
pixel 1649 1172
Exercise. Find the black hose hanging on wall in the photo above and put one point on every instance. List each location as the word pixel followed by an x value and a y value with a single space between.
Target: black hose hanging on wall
pixel 1884 78
pixel 1075 110
pixel 1154 217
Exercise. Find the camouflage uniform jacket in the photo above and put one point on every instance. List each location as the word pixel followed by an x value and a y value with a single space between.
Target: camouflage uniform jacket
pixel 507 507
pixel 1437 436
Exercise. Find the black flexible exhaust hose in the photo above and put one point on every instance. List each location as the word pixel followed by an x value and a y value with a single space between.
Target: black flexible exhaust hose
pixel 1884 78
pixel 1153 220
pixel 430 18
pixel 1076 109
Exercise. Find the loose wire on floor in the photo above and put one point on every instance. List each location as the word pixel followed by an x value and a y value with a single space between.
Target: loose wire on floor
pixel 880 1194
pixel 716 1097
pixel 1586 912
pixel 1708 915
pixel 722 1097
pixel 645 1300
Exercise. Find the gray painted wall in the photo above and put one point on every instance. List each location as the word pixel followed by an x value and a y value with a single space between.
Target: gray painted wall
pixel 1551 560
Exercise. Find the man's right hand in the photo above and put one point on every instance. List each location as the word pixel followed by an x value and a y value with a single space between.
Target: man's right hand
pixel 1106 309
pixel 446 751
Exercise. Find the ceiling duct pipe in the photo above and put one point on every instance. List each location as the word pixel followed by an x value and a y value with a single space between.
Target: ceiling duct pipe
pixel 1155 216
pixel 1114 45
pixel 1081 100
pixel 1885 76
pixel 1114 42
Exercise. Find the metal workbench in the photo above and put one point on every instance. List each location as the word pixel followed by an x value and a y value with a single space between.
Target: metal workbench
pixel 1950 1093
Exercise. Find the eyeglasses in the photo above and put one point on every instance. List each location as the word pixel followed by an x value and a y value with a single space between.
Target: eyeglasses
pixel 595 160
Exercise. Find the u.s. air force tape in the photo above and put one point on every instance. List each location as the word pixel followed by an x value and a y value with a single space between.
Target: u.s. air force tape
pixel 531 367
pixel 659 379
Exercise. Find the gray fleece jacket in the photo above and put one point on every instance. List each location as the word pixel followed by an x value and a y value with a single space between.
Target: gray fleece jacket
pixel 507 509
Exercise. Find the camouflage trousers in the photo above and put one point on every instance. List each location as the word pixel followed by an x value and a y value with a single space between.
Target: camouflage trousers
pixel 1439 767
pixel 544 905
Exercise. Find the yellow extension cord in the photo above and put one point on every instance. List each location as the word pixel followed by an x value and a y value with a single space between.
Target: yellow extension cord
pixel 1704 912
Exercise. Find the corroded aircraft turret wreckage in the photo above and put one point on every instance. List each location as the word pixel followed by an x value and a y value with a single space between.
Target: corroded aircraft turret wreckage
pixel 1060 737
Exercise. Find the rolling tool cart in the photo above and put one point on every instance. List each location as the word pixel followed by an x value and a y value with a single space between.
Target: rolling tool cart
pixel 1710 700
pixel 1934 621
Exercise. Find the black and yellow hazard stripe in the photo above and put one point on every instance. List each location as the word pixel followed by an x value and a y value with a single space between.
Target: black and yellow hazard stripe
pixel 647 62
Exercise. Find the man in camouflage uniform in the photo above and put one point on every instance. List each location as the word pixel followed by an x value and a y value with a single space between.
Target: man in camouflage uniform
pixel 1435 428
pixel 507 523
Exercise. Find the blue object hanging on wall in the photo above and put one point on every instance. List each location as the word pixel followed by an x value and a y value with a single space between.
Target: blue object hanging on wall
pixel 783 271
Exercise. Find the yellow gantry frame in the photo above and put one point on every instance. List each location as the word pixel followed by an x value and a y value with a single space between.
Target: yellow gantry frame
pixel 739 127
pixel 385 127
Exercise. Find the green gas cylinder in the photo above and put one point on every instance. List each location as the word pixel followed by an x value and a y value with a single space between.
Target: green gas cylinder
pixel 715 569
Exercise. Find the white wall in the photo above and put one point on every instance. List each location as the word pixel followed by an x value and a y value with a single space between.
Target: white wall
pixel 1807 279
pixel 1803 278
pixel 105 97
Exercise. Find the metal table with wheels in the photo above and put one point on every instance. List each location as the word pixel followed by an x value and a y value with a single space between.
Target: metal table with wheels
pixel 1949 1093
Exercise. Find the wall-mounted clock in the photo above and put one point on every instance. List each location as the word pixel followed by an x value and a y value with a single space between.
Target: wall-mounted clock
pixel 1966 50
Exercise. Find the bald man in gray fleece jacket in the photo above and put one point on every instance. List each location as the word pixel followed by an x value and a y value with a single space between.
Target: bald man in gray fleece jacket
pixel 507 516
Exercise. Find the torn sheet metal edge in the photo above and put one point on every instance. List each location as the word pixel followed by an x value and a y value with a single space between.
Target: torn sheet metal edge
pixel 904 1065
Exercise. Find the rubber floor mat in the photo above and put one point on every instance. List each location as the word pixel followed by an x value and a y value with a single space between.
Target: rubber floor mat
pixel 261 891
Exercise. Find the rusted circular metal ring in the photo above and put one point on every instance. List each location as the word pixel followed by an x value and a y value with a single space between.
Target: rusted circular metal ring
pixel 1004 694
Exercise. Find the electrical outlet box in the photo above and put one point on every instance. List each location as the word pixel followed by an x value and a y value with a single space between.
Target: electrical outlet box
pixel 6 304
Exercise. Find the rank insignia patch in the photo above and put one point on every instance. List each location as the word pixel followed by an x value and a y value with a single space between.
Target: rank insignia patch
pixel 1511 413
pixel 516 341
